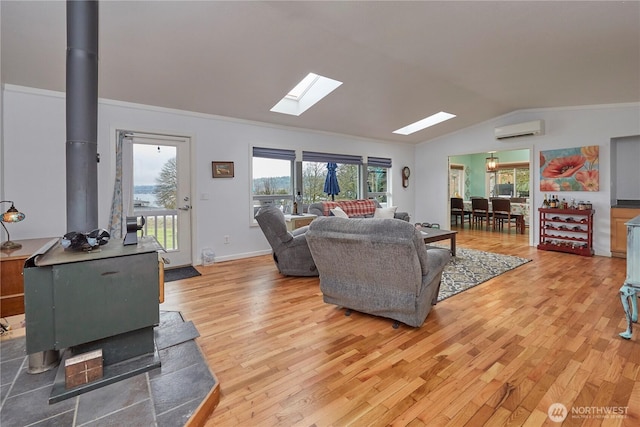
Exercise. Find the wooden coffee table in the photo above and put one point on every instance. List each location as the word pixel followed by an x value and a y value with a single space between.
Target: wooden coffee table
pixel 431 235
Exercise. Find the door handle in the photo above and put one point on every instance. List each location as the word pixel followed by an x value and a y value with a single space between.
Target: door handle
pixel 185 208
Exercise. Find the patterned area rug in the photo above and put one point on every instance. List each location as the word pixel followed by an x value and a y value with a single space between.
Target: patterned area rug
pixel 471 267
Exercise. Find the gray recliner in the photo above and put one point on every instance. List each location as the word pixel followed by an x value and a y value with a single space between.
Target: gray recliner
pixel 377 266
pixel 290 250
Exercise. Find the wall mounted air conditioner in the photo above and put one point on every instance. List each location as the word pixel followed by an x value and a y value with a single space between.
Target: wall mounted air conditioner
pixel 535 127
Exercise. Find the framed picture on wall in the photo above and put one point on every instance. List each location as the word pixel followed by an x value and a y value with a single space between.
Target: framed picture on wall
pixel 222 169
pixel 570 169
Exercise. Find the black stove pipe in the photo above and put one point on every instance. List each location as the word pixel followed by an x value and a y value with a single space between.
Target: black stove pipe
pixel 82 115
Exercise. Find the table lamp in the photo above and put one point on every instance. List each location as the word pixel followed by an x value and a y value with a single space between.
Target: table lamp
pixel 11 215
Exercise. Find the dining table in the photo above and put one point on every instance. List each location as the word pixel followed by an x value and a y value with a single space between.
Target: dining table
pixel 519 210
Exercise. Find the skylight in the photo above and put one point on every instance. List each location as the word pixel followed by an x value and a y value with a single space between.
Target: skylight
pixel 301 88
pixel 305 94
pixel 425 123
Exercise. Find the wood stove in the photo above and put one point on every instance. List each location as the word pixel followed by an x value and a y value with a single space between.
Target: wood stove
pixel 106 299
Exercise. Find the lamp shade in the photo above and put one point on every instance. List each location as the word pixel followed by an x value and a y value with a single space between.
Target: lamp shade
pixel 11 215
pixel 492 163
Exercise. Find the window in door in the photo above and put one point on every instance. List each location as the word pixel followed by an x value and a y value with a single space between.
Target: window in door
pixel 156 170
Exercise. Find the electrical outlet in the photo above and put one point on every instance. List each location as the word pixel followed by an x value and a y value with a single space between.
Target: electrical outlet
pixel 226 240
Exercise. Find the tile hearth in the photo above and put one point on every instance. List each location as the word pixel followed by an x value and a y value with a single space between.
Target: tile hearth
pixel 166 396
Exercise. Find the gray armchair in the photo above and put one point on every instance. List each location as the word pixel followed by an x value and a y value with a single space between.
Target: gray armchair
pixel 377 266
pixel 290 250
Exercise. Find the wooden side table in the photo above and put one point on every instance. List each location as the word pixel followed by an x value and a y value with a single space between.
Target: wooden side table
pixel 297 221
pixel 11 278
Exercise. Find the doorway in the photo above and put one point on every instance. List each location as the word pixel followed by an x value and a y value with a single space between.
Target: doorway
pixel 510 176
pixel 157 186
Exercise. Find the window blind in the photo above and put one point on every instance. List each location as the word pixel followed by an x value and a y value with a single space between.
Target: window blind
pixel 381 162
pixel 274 153
pixel 312 156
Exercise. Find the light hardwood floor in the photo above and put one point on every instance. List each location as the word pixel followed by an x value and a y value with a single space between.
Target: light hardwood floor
pixel 498 354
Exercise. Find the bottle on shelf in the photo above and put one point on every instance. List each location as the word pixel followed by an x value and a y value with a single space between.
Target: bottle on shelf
pixel 297 207
pixel 545 203
pixel 552 202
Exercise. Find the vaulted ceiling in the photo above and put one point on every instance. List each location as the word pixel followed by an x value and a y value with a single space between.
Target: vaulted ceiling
pixel 399 61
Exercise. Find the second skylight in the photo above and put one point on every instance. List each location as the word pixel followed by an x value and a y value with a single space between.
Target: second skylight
pixel 425 123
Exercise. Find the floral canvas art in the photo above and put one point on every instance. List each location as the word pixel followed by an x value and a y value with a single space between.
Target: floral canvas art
pixel 570 169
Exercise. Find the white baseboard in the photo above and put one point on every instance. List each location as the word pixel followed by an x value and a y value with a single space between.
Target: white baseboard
pixel 237 256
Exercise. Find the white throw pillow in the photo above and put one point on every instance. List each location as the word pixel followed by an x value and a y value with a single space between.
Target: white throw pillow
pixel 385 213
pixel 337 211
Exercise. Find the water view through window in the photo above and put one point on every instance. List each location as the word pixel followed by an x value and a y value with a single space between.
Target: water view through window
pixel 155 190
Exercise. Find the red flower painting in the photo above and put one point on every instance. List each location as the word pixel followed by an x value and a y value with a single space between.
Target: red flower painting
pixel 549 185
pixel 570 169
pixel 563 167
pixel 589 180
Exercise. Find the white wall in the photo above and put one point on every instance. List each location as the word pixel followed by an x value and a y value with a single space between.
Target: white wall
pixel 565 127
pixel 626 165
pixel 34 165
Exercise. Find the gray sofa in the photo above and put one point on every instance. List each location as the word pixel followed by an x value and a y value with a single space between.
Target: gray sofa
pixel 376 266
pixel 365 208
pixel 290 250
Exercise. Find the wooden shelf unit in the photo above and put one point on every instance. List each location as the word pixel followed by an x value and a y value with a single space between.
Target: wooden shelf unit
pixel 566 230
pixel 11 279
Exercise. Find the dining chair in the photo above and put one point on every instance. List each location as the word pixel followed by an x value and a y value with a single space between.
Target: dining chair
pixel 480 211
pixel 501 210
pixel 457 210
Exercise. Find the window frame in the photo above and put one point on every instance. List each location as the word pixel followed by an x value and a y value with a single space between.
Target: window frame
pixel 270 199
pixel 378 163
pixel 340 159
pixel 461 184
pixel 512 167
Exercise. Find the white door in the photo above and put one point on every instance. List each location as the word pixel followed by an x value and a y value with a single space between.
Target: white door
pixel 156 172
